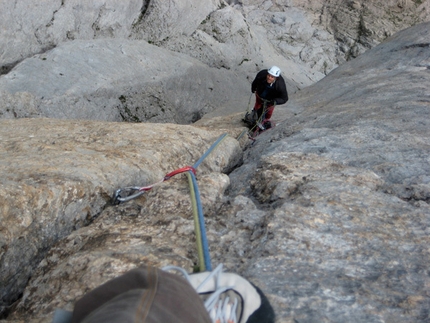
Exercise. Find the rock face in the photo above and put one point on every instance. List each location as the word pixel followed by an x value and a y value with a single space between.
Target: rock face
pixel 328 212
pixel 160 20
pixel 316 33
pixel 28 29
pixel 324 34
pixel 58 175
pixel 343 182
pixel 114 80
pixel 87 54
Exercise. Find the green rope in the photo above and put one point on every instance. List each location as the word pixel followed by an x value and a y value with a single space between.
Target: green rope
pixel 201 249
pixel 242 133
pixel 202 266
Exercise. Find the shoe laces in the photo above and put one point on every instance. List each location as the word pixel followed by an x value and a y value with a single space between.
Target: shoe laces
pixel 221 307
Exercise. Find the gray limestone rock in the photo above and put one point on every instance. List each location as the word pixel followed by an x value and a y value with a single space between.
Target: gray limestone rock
pixel 115 80
pixel 322 34
pixel 308 38
pixel 161 20
pixel 28 28
pixel 344 180
pixel 328 212
pixel 59 175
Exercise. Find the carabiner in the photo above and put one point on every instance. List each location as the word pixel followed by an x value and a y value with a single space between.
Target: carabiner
pixel 118 198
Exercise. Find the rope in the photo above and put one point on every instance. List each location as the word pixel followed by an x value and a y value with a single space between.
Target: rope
pixel 197 230
pixel 199 225
pixel 205 261
pixel 249 103
pixel 242 133
pixel 216 143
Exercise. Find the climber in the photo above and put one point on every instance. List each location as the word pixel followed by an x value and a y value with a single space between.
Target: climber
pixel 270 90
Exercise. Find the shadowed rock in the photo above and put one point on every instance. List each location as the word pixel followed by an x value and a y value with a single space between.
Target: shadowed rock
pixel 115 80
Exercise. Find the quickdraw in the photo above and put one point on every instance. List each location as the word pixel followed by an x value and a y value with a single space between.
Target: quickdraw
pixel 129 193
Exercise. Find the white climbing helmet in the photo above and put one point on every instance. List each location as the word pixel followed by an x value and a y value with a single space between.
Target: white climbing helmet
pixel 275 71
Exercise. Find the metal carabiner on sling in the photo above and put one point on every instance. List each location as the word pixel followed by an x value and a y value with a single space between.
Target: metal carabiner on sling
pixel 126 194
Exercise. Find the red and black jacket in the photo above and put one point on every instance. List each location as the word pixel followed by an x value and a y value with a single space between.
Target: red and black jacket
pixel 276 93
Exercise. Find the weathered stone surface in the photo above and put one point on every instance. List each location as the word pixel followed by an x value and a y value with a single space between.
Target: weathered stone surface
pixel 30 28
pixel 324 34
pixel 86 55
pixel 227 39
pixel 58 175
pixel 334 246
pixel 308 38
pixel 343 181
pixel 161 20
pixel 157 230
pixel 329 213
pixel 115 80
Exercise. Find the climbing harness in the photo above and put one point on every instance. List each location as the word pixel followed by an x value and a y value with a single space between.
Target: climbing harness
pixel 202 243
pixel 254 121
